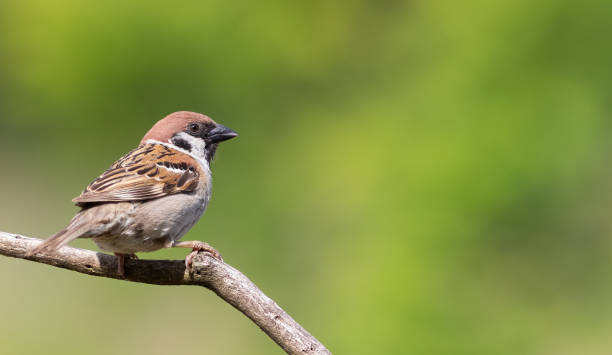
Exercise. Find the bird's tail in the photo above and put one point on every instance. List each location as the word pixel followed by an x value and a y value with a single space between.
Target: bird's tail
pixel 75 229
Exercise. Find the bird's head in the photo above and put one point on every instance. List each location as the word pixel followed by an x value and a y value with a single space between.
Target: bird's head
pixel 193 132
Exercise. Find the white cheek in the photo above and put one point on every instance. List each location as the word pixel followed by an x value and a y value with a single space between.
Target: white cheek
pixel 198 146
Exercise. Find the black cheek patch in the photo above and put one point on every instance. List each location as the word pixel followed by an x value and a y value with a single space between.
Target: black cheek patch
pixel 181 143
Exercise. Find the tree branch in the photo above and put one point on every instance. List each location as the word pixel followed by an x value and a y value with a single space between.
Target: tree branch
pixel 228 283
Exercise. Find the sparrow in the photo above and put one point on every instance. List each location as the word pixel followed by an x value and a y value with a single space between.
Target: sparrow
pixel 153 195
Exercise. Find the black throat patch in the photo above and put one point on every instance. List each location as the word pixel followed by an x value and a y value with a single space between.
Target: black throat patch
pixel 211 149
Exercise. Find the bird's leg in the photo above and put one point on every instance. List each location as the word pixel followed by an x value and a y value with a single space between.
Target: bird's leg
pixel 196 247
pixel 121 264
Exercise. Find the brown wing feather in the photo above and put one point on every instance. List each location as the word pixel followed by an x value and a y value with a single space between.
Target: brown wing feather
pixel 147 172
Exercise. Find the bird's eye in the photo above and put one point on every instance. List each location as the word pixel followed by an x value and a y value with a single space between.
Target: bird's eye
pixel 194 128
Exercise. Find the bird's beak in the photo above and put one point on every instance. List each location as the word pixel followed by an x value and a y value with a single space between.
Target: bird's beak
pixel 221 133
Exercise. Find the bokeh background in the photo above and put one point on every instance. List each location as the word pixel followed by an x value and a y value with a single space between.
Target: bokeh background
pixel 411 177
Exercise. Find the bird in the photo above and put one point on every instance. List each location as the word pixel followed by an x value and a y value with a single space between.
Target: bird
pixel 153 195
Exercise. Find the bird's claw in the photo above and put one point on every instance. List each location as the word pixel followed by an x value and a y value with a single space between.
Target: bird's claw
pixel 198 248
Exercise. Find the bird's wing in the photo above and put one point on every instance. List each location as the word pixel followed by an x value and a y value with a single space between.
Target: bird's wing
pixel 147 172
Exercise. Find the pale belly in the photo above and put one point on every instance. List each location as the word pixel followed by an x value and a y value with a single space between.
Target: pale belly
pixel 154 224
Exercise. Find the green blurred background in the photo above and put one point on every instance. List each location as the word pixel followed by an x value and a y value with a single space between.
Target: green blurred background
pixel 411 177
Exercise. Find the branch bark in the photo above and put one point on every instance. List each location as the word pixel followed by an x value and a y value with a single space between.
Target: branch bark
pixel 227 282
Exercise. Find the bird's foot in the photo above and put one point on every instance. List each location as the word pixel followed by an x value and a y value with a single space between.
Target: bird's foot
pixel 121 263
pixel 197 247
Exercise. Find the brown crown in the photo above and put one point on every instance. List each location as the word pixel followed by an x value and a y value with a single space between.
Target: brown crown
pixel 175 122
